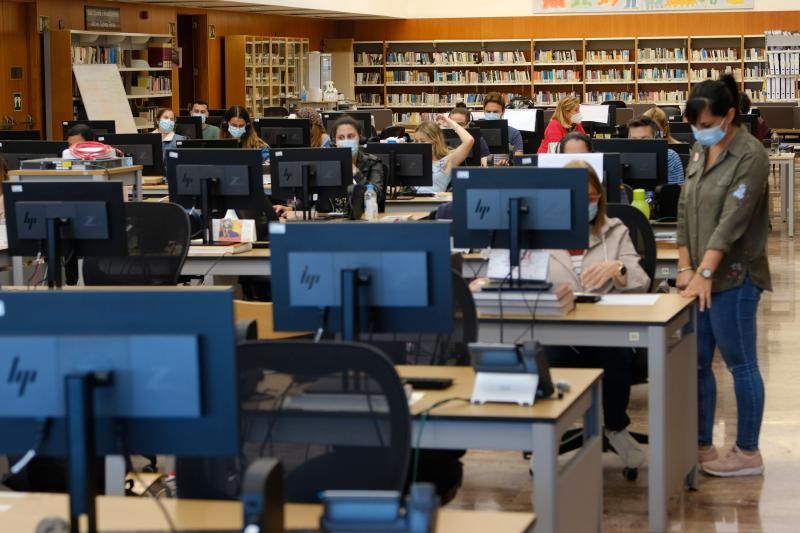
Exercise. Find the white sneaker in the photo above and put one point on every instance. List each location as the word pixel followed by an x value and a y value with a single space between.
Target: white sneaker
pixel 627 448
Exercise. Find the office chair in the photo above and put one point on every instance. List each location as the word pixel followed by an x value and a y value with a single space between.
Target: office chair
pixel 673 113
pixel 393 131
pixel 641 234
pixel 334 413
pixel 667 197
pixel 276 112
pixel 158 242
pixel 628 193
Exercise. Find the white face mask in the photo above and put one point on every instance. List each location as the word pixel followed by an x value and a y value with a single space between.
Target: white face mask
pixel 235 132
pixel 491 115
pixel 577 118
pixel 201 115
pixel 166 125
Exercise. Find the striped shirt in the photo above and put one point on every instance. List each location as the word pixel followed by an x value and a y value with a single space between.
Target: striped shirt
pixel 674 168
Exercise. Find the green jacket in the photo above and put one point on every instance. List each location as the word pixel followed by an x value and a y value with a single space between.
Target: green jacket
pixel 726 208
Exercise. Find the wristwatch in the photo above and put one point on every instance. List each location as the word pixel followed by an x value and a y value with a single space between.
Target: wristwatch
pixel 622 269
pixel 705 273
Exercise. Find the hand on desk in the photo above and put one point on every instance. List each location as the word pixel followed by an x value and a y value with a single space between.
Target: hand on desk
pixel 699 287
pixel 283 211
pixel 597 275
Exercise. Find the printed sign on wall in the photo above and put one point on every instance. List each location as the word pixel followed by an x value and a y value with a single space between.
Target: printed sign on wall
pixel 611 6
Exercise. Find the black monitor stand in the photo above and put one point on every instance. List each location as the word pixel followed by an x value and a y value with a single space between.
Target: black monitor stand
pixel 516 210
pixel 354 283
pixel 307 172
pixel 55 279
pixel 207 188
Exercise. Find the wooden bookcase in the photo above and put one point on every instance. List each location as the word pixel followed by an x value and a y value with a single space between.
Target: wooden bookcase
pixel 263 71
pixel 419 78
pixel 148 87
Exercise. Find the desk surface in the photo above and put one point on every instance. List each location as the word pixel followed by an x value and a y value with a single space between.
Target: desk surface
pixel 665 251
pixel 781 157
pixel 87 172
pixel 21 512
pixel 550 410
pixel 663 311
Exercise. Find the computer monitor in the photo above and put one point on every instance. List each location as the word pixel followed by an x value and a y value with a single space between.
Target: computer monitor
pixel 217 180
pixel 20 135
pixel 189 127
pixel 92 372
pixel 208 143
pixel 520 208
pixel 453 141
pixel 61 220
pixel 405 165
pixel 215 120
pixel 99 127
pixel 284 132
pixel 351 277
pixel 496 134
pixel 217 112
pixel 683 150
pixel 612 170
pixel 644 161
pixel 301 172
pixel 145 148
pixel 15 151
pixel 329 118
pixel 682 131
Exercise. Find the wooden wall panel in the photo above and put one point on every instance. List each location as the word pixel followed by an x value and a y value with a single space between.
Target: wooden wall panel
pixel 14 52
pixel 543 27
pixel 72 13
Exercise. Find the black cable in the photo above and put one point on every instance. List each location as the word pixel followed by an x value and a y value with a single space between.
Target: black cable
pixel 423 417
pixel 213 266
pixel 281 398
pixel 19 466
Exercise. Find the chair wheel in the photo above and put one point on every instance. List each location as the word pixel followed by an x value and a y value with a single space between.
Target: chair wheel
pixel 630 474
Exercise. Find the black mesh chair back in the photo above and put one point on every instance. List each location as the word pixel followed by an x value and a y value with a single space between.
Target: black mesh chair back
pixel 158 241
pixel 641 234
pixel 276 112
pixel 334 413
pixel 393 131
pixel 672 112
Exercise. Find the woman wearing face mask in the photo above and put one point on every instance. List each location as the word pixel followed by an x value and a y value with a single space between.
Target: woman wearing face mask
pixel 237 125
pixel 723 223
pixel 566 118
pixel 165 119
pixel 444 158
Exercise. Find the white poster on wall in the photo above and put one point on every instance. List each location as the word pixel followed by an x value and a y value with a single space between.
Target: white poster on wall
pixel 570 7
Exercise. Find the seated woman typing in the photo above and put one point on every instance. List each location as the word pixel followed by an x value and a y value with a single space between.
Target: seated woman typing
pixel 444 159
pixel 609 265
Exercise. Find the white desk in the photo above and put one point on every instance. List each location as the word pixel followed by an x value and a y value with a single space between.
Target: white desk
pixel 785 165
pixel 667 331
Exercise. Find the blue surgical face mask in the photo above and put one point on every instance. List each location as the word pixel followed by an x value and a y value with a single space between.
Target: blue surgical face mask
pixel 235 132
pixel 490 115
pixel 709 136
pixel 592 211
pixel 166 125
pixel 201 115
pixel 348 143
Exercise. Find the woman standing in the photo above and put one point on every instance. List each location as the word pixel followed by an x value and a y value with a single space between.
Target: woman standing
pixel 723 221
pixel 566 118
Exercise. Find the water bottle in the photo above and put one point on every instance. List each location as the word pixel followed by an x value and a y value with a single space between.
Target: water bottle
pixel 640 202
pixel 303 94
pixel 774 142
pixel 371 203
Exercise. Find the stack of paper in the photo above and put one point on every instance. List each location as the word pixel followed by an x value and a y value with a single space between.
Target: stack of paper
pixel 513 302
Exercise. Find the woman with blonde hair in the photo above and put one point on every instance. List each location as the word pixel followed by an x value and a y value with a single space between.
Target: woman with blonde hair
pixel 319 137
pixel 444 158
pixel 660 118
pixel 567 118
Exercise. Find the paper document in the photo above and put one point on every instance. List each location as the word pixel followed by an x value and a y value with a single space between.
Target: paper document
pixel 522 119
pixel 595 113
pixel 534 264
pixel 3 237
pixel 629 299
pixel 415 397
pixel 560 160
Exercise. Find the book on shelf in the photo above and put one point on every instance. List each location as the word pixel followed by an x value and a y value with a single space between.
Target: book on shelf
pixel 364 58
pixel 554 75
pixel 455 76
pixel 154 84
pixel 715 54
pixel 607 55
pixel 368 77
pixel 662 54
pixel 406 58
pixel 556 56
pixel 499 76
pixel 674 97
pixel 160 56
pixel 516 56
pixel 444 58
pixel 754 54
pixel 715 73
pixel 407 76
pixel 97 55
pixel 598 97
pixel 552 97
pixel 612 74
pixel 661 74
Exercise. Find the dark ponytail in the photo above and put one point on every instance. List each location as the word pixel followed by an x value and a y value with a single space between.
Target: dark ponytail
pixel 718 96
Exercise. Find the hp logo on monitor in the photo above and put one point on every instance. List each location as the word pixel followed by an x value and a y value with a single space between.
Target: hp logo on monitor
pixel 309 280
pixel 482 210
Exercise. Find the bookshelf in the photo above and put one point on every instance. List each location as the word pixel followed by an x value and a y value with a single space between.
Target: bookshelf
pixel 418 78
pixel 783 66
pixel 144 62
pixel 263 71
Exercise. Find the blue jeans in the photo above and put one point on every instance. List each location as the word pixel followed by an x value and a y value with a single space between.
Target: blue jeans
pixel 731 325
